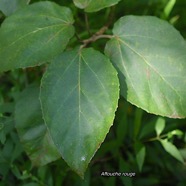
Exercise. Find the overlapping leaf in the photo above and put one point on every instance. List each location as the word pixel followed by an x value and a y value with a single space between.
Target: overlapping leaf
pixel 94 5
pixel 81 3
pixel 34 35
pixel 79 95
pixel 8 7
pixel 150 57
pixel 32 130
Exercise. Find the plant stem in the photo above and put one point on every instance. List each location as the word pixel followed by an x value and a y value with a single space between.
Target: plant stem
pixel 98 35
pixel 87 24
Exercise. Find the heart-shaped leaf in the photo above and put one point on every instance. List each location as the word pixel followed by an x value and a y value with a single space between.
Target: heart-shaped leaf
pixel 34 35
pixel 79 95
pixel 150 56
pixel 32 129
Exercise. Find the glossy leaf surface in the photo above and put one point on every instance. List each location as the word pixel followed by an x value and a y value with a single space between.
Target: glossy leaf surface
pixel 34 35
pixel 149 55
pixel 79 96
pixel 32 130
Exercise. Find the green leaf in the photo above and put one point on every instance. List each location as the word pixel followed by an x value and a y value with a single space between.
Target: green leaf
pixel 34 35
pixel 81 3
pixel 8 7
pixel 177 132
pixel 171 149
pixel 79 96
pixel 94 5
pixel 160 125
pixel 168 8
pixel 140 154
pixel 183 153
pixel 32 130
pixel 149 55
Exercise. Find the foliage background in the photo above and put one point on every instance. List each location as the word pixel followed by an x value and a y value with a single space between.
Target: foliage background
pixel 131 126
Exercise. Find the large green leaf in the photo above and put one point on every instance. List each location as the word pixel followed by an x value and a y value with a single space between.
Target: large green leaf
pixel 150 56
pixel 32 130
pixel 94 5
pixel 8 7
pixel 79 95
pixel 34 35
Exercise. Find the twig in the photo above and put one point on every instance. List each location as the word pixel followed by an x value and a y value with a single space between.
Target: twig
pixel 100 33
pixel 94 38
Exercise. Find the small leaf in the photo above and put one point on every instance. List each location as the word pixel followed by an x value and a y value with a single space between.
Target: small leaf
pixel 34 35
pixel 168 8
pixel 149 55
pixel 171 149
pixel 8 7
pixel 140 154
pixel 32 130
pixel 177 132
pixel 79 96
pixel 160 125
pixel 94 5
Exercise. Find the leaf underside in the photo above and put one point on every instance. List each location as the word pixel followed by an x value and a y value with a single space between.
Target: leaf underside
pixel 79 95
pixel 149 55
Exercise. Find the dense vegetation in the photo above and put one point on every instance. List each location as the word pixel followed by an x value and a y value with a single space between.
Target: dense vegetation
pixel 142 112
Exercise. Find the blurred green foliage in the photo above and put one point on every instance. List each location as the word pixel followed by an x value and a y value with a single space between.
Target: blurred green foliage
pixel 133 144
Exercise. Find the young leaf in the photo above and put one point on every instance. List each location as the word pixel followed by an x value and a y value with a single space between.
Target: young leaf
pixel 168 8
pixel 171 149
pixel 149 55
pixel 32 130
pixel 140 154
pixel 8 7
pixel 94 5
pixel 30 39
pixel 177 132
pixel 79 96
pixel 160 125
